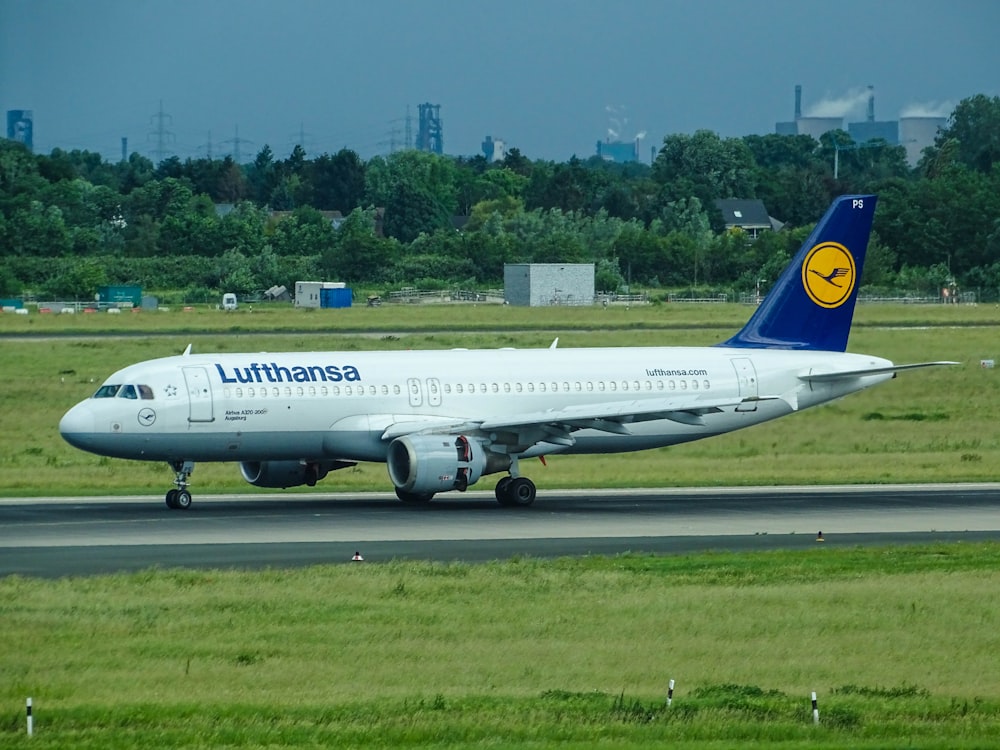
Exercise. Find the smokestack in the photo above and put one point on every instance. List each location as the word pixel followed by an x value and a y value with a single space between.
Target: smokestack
pixel 798 101
pixel 871 104
pixel 124 148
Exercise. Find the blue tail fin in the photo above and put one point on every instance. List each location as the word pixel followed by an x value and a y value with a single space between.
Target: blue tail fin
pixel 812 303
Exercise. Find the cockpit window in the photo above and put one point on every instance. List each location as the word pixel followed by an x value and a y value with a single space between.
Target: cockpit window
pixel 127 391
pixel 145 392
pixel 107 391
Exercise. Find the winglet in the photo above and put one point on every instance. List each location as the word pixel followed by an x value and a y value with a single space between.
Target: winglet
pixel 812 303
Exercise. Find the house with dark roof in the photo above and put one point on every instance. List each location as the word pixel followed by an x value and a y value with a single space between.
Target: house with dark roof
pixel 750 215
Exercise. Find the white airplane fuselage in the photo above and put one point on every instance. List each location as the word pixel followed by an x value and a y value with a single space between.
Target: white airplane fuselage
pixel 256 407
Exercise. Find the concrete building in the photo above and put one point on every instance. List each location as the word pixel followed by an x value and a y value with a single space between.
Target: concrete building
pixel 546 284
pixel 917 133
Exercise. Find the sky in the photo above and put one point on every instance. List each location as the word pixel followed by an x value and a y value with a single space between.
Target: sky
pixel 549 77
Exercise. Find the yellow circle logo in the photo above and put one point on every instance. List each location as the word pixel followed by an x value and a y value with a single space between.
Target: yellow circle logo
pixel 828 274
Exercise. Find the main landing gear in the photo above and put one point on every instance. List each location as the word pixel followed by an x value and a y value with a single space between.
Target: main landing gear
pixel 180 498
pixel 515 492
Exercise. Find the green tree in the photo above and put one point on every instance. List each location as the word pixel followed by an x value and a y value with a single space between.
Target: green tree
pixel 974 127
pixel 338 181
pixel 705 166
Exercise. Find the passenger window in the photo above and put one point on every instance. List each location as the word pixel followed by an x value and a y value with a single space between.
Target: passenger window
pixel 128 391
pixel 107 391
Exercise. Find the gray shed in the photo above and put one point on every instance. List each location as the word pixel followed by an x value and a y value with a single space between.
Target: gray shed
pixel 544 284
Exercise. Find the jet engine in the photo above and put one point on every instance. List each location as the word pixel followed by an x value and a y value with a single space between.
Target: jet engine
pixel 425 464
pixel 288 473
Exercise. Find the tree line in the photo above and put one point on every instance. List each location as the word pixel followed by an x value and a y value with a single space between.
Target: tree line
pixel 71 221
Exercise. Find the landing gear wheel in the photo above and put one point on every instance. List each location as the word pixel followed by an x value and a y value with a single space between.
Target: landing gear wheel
pixel 183 500
pixel 515 492
pixel 521 491
pixel 172 499
pixel 501 490
pixel 414 498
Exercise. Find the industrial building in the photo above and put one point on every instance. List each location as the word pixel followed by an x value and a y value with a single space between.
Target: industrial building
pixel 913 133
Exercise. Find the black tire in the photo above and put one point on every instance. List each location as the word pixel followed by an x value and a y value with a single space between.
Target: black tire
pixel 501 490
pixel 183 500
pixel 521 492
pixel 171 499
pixel 414 498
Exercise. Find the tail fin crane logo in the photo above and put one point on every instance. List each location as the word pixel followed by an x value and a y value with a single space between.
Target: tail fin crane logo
pixel 829 274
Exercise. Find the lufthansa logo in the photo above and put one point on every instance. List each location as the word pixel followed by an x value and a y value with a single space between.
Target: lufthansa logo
pixel 829 274
pixel 146 417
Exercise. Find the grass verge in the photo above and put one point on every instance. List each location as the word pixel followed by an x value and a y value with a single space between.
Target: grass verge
pixel 899 643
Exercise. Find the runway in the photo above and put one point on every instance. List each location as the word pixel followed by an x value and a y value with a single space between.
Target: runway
pixel 55 537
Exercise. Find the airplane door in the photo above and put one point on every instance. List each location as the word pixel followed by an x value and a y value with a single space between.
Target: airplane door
pixel 433 392
pixel 199 394
pixel 415 391
pixel 746 379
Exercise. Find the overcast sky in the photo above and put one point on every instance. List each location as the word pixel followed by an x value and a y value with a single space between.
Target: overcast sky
pixel 551 77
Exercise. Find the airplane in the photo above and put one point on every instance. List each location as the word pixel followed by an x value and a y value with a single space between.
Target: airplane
pixel 443 420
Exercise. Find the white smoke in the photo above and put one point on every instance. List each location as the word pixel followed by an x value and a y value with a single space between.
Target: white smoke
pixel 854 101
pixel 927 109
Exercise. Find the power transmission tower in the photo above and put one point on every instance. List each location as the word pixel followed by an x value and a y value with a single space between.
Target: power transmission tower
pixel 237 142
pixel 163 136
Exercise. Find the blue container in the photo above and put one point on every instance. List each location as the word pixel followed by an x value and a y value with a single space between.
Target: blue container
pixel 335 297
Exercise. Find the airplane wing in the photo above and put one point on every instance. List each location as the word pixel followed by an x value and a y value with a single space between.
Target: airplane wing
pixel 825 377
pixel 556 425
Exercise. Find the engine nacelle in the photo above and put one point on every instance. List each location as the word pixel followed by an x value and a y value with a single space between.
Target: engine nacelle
pixel 425 464
pixel 288 473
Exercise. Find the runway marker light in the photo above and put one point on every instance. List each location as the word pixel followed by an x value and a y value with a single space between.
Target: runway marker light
pixel 815 709
pixel 31 727
pixel 357 557
pixel 819 536
pixel 670 693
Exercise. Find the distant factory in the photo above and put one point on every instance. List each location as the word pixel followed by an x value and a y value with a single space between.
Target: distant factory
pixel 913 133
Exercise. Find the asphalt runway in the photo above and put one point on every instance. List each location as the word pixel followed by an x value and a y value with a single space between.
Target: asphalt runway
pixel 55 537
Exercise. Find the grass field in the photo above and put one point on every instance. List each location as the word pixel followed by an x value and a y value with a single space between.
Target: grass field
pixel 900 644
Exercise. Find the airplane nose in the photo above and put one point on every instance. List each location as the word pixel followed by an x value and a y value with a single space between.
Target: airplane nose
pixel 77 424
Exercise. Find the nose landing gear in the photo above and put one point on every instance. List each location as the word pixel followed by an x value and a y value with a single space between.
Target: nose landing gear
pixel 180 498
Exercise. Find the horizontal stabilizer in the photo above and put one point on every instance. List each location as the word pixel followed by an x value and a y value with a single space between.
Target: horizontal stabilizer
pixel 827 377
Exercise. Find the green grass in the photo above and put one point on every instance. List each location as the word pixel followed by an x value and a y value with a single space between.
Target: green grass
pixel 899 643
pixel 930 425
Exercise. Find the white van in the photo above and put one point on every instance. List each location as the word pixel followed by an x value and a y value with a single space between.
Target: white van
pixel 228 301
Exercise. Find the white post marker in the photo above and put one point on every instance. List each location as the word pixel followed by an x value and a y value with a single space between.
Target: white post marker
pixel 815 709
pixel 31 728
pixel 670 693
